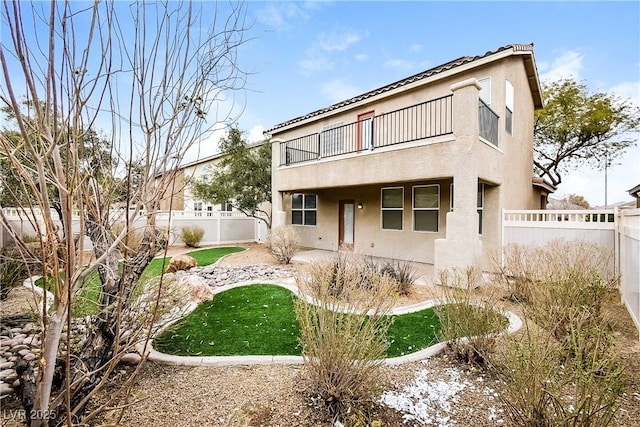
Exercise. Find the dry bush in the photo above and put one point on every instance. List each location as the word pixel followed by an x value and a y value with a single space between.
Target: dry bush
pixel 530 370
pixel 131 241
pixel 541 386
pixel 344 345
pixel 191 236
pixel 570 346
pixel 468 326
pixel 525 266
pixel 403 273
pixel 282 243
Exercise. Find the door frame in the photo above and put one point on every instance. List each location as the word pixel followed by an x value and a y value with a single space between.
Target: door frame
pixel 361 123
pixel 341 244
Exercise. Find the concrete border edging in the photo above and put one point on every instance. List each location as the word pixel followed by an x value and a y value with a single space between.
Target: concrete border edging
pixel 515 323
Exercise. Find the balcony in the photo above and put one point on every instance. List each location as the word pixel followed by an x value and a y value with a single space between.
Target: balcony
pixel 421 121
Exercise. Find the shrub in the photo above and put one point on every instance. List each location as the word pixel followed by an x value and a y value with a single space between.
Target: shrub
pixel 191 236
pixel 344 346
pixel 469 327
pixel 402 273
pixel 14 267
pixel 570 345
pixel 130 241
pixel 283 243
pixel 524 267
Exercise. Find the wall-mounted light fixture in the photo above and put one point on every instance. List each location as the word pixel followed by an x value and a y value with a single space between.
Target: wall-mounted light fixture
pixel 360 206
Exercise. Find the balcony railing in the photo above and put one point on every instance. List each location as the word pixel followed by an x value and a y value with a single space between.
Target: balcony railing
pixel 421 121
pixel 488 121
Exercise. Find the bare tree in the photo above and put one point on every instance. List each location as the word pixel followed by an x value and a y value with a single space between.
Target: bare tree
pixel 152 76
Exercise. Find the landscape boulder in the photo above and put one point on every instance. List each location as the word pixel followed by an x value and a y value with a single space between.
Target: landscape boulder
pixel 181 262
pixel 196 287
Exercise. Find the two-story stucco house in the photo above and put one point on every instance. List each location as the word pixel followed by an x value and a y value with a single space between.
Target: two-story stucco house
pixel 419 169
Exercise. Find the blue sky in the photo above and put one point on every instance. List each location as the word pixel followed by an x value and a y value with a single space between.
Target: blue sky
pixel 308 55
pixel 303 56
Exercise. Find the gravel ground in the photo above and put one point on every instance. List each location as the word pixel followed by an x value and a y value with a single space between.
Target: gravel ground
pixel 434 392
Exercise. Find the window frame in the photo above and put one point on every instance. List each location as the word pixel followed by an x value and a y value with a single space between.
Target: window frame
pixel 485 90
pixel 304 209
pixel 394 209
pixel 480 206
pixel 365 130
pixel 436 209
pixel 509 107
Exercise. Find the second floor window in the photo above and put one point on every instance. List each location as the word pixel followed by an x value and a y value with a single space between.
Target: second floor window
pixel 508 116
pixel 304 210
pixel 392 208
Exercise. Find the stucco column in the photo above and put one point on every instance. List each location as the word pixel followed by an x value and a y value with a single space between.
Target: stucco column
pixel 278 215
pixel 462 246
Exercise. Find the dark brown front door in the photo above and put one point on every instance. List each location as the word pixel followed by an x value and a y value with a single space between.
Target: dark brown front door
pixel 346 234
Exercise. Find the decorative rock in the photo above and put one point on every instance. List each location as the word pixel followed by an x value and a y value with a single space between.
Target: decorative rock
pixel 23 352
pixel 5 389
pixel 19 347
pixel 29 327
pixel 6 373
pixel 131 359
pixel 5 365
pixel 198 290
pixel 181 262
pixel 16 384
pixel 29 357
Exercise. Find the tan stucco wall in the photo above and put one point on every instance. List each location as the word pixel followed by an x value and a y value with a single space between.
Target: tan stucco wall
pixel 173 192
pixel 506 169
pixel 369 237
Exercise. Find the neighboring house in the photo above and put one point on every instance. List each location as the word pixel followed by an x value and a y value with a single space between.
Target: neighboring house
pixel 419 169
pixel 635 193
pixel 179 191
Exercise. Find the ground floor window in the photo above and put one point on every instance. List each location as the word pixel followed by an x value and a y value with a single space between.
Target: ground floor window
pixel 426 207
pixel 392 208
pixel 480 206
pixel 304 209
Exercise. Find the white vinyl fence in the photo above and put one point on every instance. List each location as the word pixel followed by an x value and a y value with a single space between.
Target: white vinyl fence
pixel 629 248
pixel 219 227
pixel 618 230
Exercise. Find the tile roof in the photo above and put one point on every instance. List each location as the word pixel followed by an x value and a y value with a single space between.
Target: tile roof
pixel 408 80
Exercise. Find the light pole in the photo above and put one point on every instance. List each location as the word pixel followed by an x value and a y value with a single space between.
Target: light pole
pixel 606 166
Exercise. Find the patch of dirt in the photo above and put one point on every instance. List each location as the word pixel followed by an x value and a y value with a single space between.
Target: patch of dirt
pixel 19 301
pixel 277 395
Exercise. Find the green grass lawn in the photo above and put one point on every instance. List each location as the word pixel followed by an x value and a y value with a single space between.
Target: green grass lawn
pixel 86 303
pixel 260 320
pixel 254 319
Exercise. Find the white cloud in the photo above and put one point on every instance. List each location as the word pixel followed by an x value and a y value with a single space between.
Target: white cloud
pixel 255 134
pixel 415 48
pixel 315 63
pixel 568 64
pixel 399 64
pixel 338 90
pixel 208 146
pixel 361 57
pixel 318 56
pixel 628 90
pixel 590 183
pixel 337 42
pixel 278 16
